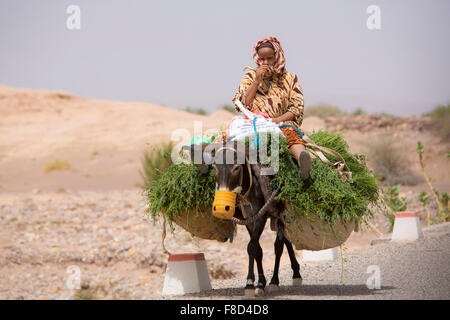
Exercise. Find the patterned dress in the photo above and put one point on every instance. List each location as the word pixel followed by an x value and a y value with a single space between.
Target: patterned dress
pixel 276 95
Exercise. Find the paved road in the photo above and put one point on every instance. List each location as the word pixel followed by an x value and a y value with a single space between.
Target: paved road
pixel 413 270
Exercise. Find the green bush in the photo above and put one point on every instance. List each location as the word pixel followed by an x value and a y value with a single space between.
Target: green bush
pixel 440 198
pixel 229 108
pixel 155 162
pixel 358 111
pixel 196 111
pixel 393 203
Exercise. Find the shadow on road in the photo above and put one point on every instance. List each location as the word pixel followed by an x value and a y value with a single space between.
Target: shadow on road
pixel 330 290
pixel 306 290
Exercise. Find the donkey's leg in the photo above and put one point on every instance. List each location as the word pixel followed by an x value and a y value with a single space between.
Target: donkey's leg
pixel 261 278
pixel 296 278
pixel 250 287
pixel 259 228
pixel 252 249
pixel 274 283
pixel 255 252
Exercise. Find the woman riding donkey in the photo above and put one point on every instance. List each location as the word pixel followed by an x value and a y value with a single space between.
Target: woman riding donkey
pixel 277 93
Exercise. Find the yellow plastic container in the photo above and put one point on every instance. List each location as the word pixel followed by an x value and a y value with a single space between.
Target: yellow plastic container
pixel 224 204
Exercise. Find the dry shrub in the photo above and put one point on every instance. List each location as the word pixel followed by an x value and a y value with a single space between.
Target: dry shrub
pixel 323 111
pixel 57 165
pixel 103 290
pixel 389 160
pixel 220 272
pixel 86 292
pixel 440 121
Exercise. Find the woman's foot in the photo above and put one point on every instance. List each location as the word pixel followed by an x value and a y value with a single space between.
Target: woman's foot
pixel 304 163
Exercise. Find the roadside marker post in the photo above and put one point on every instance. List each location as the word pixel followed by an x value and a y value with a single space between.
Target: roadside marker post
pixel 186 273
pixel 406 227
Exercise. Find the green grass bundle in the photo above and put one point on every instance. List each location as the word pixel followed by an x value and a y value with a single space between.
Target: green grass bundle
pixel 325 196
pixel 184 195
pixel 182 189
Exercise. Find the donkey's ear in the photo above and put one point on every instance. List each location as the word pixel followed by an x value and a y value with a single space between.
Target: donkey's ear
pixel 211 148
pixel 202 148
pixel 203 168
pixel 199 161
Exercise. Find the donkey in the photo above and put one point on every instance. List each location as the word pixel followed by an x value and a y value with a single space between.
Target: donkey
pixel 245 180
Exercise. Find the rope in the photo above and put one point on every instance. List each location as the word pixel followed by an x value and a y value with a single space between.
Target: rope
pixel 243 199
pixel 163 237
pixel 372 227
pixel 226 236
pixel 256 133
pixel 316 151
pixel 259 214
pixel 288 125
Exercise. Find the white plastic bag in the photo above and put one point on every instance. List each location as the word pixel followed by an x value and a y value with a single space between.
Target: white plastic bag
pixel 241 127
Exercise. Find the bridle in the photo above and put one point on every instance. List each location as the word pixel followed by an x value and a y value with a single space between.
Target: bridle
pixel 238 189
pixel 242 200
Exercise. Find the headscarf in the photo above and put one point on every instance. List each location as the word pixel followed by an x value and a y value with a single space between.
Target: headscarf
pixel 280 61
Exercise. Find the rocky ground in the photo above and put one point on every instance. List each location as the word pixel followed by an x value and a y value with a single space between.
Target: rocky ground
pixel 370 122
pixel 108 238
pixel 107 235
pixel 403 270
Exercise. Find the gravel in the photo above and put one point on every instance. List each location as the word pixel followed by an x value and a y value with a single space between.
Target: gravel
pixel 408 270
pixel 117 250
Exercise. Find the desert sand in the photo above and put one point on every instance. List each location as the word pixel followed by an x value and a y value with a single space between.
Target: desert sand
pixel 102 141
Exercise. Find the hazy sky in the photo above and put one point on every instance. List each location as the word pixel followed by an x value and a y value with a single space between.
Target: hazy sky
pixel 191 53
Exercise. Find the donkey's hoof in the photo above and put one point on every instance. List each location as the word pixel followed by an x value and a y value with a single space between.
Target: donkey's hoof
pixel 296 282
pixel 250 293
pixel 272 288
pixel 259 292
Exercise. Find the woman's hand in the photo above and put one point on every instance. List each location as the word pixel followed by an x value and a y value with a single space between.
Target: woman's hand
pixel 277 120
pixel 262 71
pixel 288 116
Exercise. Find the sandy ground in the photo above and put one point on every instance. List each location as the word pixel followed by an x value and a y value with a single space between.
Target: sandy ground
pixel 91 214
pixel 102 141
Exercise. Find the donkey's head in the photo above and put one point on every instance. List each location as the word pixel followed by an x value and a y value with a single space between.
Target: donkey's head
pixel 231 170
